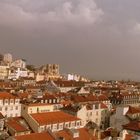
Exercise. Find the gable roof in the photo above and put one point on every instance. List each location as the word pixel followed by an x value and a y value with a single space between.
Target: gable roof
pixel 16 126
pixel 133 110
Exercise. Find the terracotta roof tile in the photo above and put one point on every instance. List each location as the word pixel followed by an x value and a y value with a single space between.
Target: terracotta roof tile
pixel 103 106
pixel 133 126
pixel 83 135
pixel 53 117
pixel 128 137
pixel 90 97
pixel 16 126
pixel 35 136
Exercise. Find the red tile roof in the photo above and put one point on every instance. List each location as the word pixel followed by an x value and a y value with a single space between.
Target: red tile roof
pixel 35 136
pixel 69 83
pixel 129 137
pixel 103 106
pixel 16 126
pixel 105 134
pixel 23 95
pixel 102 97
pixel 83 135
pixel 133 126
pixel 6 95
pixel 49 96
pixel 53 117
pixel 133 110
pixel 90 97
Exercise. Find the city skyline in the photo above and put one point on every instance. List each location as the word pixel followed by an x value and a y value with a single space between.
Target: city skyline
pixel 96 38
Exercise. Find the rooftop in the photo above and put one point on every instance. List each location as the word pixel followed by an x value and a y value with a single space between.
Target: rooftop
pixel 6 95
pixel 83 135
pixel 133 126
pixel 53 117
pixel 16 125
pixel 35 136
pixel 133 110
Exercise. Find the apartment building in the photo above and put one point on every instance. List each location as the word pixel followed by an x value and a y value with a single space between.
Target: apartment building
pixel 9 105
pixel 42 117
pixel 98 113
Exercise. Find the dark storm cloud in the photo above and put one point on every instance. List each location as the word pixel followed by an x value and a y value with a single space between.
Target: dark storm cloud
pixel 98 38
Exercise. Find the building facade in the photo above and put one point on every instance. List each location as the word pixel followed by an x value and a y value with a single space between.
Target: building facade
pixel 10 105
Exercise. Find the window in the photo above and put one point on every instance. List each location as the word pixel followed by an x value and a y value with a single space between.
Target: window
pixel 48 127
pixel 6 108
pixel 90 113
pixel 96 106
pixel 54 126
pixel 66 125
pixel 54 100
pixel 11 108
pixel 96 112
pixel 78 123
pixel 11 101
pixel 42 128
pixel 72 124
pixel 60 126
pixel 16 101
pixel 16 107
pixel 96 120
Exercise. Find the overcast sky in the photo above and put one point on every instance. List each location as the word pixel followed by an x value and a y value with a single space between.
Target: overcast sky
pixel 96 38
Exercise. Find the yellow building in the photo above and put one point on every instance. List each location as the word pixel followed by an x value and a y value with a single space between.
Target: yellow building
pixel 4 71
pixel 37 108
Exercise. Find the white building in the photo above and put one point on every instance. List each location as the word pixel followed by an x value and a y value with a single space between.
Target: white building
pixel 16 73
pixel 10 105
pixel 75 77
pixel 97 113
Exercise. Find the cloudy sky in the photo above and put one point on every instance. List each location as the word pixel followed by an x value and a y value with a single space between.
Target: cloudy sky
pixel 96 38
